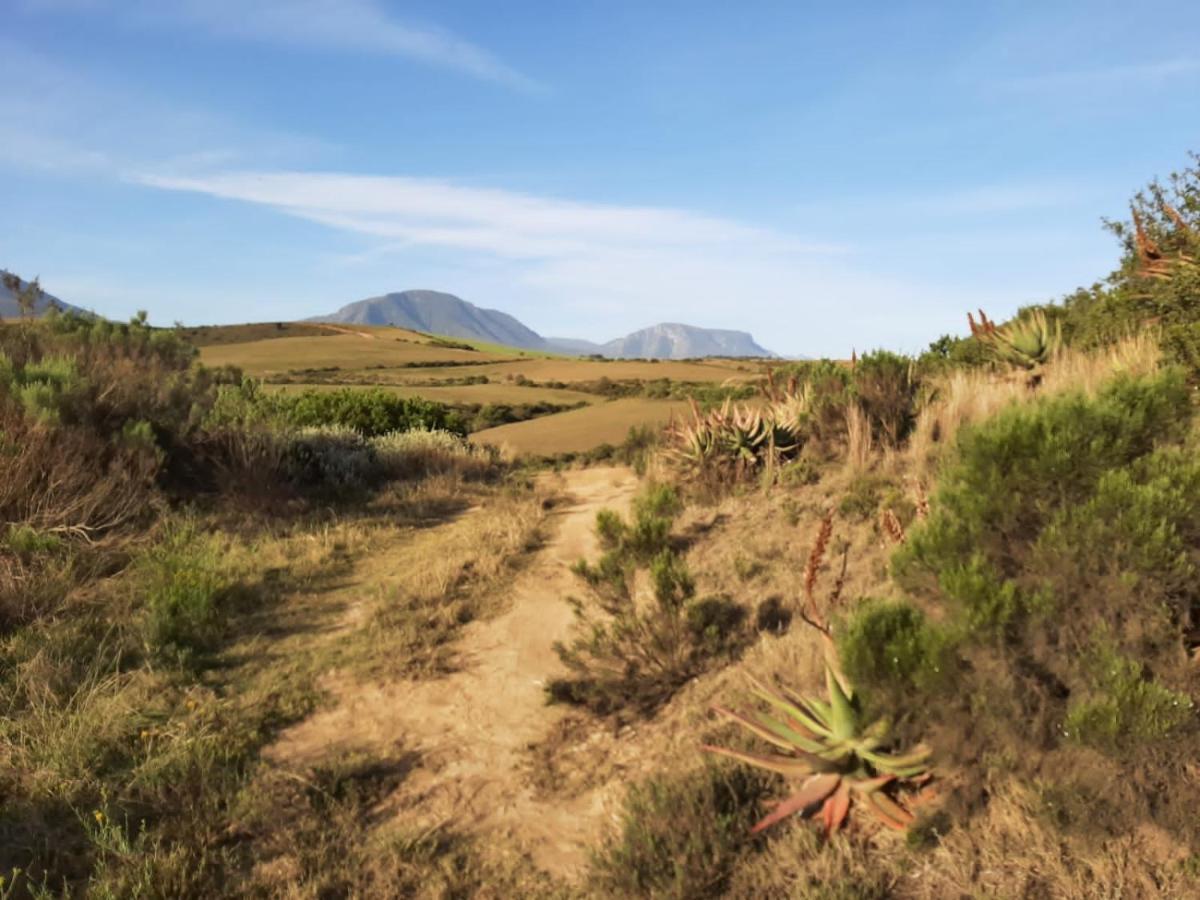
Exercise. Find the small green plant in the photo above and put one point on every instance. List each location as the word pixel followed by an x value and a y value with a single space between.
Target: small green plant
pixel 886 388
pixel 182 584
pixel 839 759
pixel 1125 707
pixel 628 655
pixel 862 498
pixel 26 541
pixel 890 649
pixel 681 836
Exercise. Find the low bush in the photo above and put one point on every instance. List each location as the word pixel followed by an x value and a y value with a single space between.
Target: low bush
pixel 681 836
pixel 631 654
pixel 1123 708
pixel 891 651
pixel 182 584
pixel 885 387
pixel 420 452
pixel 370 412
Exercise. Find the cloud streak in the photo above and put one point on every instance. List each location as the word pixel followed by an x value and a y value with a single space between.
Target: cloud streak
pixel 355 26
pixel 1133 75
pixel 579 268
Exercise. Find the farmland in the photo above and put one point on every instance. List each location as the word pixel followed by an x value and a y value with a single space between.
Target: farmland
pixel 617 394
pixel 581 429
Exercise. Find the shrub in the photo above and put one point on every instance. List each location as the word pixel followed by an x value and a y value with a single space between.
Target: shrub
pixel 885 387
pixel 630 656
pixel 681 836
pixel 331 459
pixel 183 584
pixel 1061 557
pixel 1123 707
pixel 420 452
pixel 862 497
pixel 891 650
pixel 1015 471
pixel 370 412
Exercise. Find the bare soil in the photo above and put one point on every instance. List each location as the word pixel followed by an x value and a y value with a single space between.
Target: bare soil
pixel 472 730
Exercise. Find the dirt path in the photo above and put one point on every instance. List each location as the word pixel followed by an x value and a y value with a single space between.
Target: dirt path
pixel 471 729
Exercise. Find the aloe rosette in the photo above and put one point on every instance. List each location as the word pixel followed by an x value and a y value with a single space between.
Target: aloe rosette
pixel 839 760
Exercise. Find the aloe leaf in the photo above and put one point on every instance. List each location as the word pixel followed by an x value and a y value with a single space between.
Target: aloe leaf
pixel 837 806
pixel 844 720
pixel 759 726
pixel 871 785
pixel 802 764
pixel 889 811
pixel 812 792
pixel 793 737
pixel 798 713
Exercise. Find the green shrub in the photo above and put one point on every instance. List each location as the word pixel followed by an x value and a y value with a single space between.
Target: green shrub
pixel 26 541
pixel 1056 521
pixel 370 412
pixel 1124 707
pixel 886 389
pixel 629 657
pixel 1014 472
pixel 182 584
pixel 681 837
pixel 862 497
pixel 890 650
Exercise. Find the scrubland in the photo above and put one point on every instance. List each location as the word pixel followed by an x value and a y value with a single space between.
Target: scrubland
pixel 893 627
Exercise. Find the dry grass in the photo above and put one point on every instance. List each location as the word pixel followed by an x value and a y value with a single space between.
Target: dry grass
pixel 967 396
pixel 440 579
pixel 347 351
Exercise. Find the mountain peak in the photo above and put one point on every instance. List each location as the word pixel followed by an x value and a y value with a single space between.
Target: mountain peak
pixel 437 312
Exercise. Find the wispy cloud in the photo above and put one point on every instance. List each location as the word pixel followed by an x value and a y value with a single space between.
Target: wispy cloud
pixel 596 266
pixel 1130 75
pixel 431 212
pixel 361 26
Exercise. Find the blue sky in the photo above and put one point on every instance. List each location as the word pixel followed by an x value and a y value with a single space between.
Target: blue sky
pixel 825 176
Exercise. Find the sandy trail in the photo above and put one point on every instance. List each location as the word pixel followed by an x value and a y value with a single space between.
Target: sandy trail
pixel 472 728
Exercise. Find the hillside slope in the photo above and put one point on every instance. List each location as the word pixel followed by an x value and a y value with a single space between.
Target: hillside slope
pixel 438 313
pixel 9 309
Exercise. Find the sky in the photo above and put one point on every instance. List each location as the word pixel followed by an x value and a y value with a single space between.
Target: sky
pixel 826 176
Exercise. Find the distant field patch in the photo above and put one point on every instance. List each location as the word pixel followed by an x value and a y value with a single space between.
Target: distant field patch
pixel 581 429
pixel 336 351
pixel 575 370
pixel 455 394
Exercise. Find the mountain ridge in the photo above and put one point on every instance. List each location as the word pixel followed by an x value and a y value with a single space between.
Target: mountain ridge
pixel 10 309
pixel 442 313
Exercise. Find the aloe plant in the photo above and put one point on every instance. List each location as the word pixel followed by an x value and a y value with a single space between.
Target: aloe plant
pixel 736 436
pixel 840 761
pixel 1024 343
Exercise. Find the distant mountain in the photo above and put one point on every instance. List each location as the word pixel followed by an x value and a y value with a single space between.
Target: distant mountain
pixel 445 314
pixel 672 340
pixel 9 309
pixel 438 313
pixel 574 346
